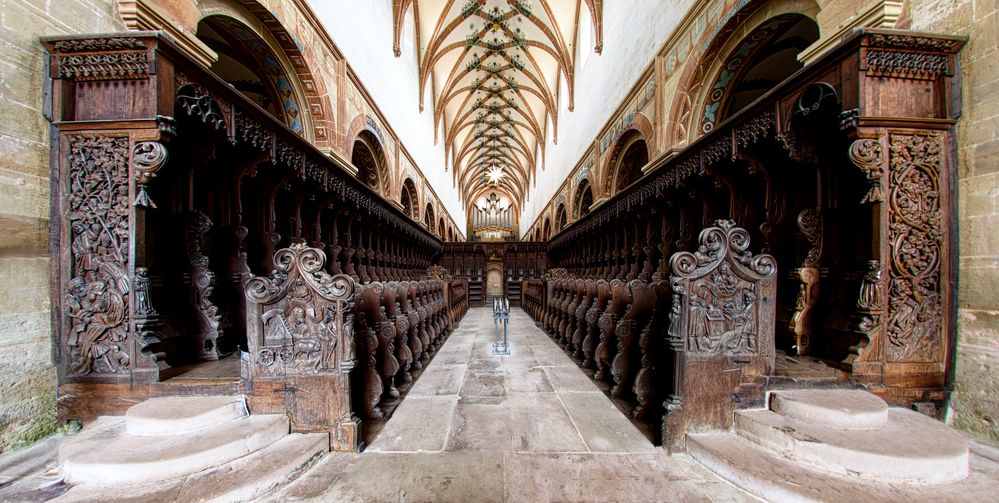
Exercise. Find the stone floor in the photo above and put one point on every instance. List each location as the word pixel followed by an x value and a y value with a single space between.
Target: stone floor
pixel 530 426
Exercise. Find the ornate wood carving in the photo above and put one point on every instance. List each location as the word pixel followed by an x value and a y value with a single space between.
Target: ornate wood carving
pixel 300 321
pixel 201 279
pixel 105 58
pixel 149 157
pixel 725 294
pixel 300 331
pixel 867 154
pixel 915 234
pixel 97 298
pixel 810 225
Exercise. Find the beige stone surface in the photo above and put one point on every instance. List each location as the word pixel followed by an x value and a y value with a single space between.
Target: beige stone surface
pixel 27 388
pixel 975 405
pixel 512 437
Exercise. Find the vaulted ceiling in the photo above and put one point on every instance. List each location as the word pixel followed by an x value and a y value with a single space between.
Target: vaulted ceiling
pixel 495 70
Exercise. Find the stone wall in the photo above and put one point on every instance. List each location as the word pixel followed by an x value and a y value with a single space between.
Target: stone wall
pixel 975 406
pixel 28 382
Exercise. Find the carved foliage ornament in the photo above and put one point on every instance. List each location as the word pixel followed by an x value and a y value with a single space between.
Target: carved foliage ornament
pixel 149 157
pixel 556 273
pixel 96 302
pixel 300 320
pixel 915 237
pixel 723 296
pixel 868 155
pixel 121 65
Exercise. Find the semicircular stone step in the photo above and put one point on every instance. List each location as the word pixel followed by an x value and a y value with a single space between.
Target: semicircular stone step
pixel 177 415
pixel 910 447
pixel 842 409
pixel 111 456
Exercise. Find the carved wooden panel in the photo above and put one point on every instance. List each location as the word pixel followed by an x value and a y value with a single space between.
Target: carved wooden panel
pixel 299 321
pixel 96 303
pixel 724 296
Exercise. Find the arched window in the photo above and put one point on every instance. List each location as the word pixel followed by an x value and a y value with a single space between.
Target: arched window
pixel 408 198
pixel 247 63
pixel 440 228
pixel 368 158
pixel 634 155
pixel 583 199
pixel 547 233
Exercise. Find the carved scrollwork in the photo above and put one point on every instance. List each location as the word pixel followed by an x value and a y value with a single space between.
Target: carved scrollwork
pixel 915 234
pixel 97 297
pixel 868 155
pixel 724 297
pixel 149 157
pixel 301 314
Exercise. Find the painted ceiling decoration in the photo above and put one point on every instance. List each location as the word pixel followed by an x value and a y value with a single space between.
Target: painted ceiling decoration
pixel 494 70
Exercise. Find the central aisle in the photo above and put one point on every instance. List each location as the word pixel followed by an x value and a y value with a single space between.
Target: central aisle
pixel 530 426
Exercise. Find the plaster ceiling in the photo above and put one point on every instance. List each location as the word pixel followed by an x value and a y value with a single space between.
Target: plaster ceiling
pixel 495 72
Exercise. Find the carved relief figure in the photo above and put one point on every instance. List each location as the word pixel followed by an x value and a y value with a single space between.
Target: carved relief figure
pixel 97 292
pixel 723 300
pixel 301 319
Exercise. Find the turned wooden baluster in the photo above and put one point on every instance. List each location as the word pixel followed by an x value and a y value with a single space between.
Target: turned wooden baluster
pixel 349 267
pixel 401 322
pixel 589 288
pixel 366 316
pixel 568 314
pixel 578 290
pixel 361 252
pixel 592 338
pixel 421 319
pixel 608 322
pixel 627 362
pixel 651 342
pixel 409 311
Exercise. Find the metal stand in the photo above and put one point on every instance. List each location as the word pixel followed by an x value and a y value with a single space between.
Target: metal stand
pixel 501 313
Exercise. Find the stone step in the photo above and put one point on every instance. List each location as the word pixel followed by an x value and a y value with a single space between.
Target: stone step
pixel 775 478
pixel 109 455
pixel 244 479
pixel 177 415
pixel 910 447
pixel 840 409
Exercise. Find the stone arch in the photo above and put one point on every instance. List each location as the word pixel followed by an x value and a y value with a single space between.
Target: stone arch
pixel 582 200
pixel 683 125
pixel 547 229
pixel 368 156
pixel 364 128
pixel 409 199
pixel 561 218
pixel 428 217
pixel 761 60
pixel 257 67
pixel 301 59
pixel 624 166
pixel 642 126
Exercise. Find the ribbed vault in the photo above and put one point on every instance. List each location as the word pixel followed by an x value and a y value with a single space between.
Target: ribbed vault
pixel 494 70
